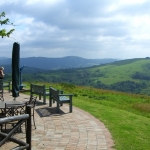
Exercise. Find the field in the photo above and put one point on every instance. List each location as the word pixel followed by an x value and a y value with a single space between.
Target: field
pixel 127 116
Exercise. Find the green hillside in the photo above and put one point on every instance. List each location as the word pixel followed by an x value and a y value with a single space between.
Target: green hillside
pixel 125 70
pixel 131 75
pixel 128 75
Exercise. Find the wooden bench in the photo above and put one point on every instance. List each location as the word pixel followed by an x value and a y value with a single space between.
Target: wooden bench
pixel 39 90
pixel 7 85
pixel 4 85
pixel 60 98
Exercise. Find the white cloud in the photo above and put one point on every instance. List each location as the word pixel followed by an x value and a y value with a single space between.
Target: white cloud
pixel 31 2
pixel 90 29
pixel 131 2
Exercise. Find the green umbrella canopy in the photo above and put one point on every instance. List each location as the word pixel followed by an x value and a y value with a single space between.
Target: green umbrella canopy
pixel 15 69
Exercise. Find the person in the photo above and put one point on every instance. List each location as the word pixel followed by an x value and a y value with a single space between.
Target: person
pixel 2 73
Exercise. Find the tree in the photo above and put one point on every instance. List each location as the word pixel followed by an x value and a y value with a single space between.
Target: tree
pixel 3 32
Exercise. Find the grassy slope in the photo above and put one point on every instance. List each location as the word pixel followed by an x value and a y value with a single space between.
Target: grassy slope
pixel 129 125
pixel 129 131
pixel 127 116
pixel 122 70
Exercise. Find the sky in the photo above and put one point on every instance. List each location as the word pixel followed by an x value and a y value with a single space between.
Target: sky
pixel 92 29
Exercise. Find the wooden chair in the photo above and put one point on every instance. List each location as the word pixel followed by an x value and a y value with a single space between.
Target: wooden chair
pixel 13 110
pixel 2 115
pixel 32 103
pixel 7 85
pixel 1 97
pixel 7 137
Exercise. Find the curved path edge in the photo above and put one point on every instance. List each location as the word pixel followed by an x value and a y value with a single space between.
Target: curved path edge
pixel 107 134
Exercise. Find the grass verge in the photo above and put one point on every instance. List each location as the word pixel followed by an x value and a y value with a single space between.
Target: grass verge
pixel 127 116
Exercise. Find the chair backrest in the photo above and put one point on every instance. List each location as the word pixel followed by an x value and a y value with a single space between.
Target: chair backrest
pixel 37 89
pixel 1 97
pixel 54 93
pixel 14 110
pixel 32 101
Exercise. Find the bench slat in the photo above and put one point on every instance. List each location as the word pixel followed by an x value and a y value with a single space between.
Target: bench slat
pixel 63 98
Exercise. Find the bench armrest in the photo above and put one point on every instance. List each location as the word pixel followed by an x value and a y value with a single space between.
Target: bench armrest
pixel 65 94
pixel 46 89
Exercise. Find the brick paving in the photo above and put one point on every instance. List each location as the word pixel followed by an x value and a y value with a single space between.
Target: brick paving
pixel 65 131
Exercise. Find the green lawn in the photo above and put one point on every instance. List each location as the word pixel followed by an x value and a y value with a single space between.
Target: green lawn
pixel 130 131
pixel 127 116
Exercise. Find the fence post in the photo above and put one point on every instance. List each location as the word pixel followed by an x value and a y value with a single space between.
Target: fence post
pixel 28 130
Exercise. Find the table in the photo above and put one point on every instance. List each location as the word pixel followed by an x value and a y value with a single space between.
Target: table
pixel 2 103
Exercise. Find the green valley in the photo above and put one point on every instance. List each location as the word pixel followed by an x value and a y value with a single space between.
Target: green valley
pixel 131 75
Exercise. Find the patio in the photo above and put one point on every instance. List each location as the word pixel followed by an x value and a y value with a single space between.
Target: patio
pixel 65 131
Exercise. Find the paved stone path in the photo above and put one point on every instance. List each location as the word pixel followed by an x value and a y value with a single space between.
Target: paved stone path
pixel 65 131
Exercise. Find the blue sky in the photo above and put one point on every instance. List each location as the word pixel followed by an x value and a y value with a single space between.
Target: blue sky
pixel 85 28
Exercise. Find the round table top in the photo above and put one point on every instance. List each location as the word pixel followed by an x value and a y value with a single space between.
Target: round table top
pixel 2 103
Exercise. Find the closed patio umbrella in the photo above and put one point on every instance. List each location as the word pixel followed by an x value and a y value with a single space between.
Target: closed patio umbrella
pixel 15 69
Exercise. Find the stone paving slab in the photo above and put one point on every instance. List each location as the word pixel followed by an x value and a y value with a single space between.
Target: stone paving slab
pixel 65 131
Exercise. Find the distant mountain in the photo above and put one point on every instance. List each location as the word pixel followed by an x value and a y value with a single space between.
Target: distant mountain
pixel 3 58
pixel 130 75
pixel 57 63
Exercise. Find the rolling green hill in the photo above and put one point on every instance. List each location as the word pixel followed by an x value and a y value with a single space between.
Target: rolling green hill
pixel 131 75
